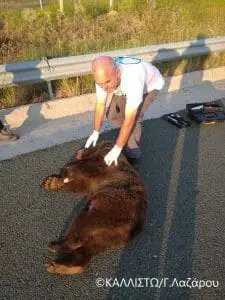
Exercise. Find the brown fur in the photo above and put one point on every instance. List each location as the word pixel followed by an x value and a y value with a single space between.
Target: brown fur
pixel 114 213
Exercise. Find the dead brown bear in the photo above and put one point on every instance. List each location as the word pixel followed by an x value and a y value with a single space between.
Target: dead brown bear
pixel 114 213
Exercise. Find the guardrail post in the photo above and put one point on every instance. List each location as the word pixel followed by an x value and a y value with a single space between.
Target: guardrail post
pixel 111 4
pixel 61 5
pixel 50 91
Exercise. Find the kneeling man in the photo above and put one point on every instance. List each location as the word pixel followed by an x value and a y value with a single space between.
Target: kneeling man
pixel 134 84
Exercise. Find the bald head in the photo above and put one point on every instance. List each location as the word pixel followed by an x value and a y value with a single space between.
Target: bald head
pixel 106 73
pixel 103 64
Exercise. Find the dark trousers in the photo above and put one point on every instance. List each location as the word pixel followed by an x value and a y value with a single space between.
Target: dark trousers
pixel 116 114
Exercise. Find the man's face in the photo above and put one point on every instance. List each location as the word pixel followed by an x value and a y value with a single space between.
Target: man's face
pixel 109 79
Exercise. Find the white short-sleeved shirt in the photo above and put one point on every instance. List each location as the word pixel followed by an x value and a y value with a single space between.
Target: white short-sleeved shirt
pixel 136 80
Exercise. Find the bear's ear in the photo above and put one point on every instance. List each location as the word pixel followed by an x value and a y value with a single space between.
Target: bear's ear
pixel 100 150
pixel 79 154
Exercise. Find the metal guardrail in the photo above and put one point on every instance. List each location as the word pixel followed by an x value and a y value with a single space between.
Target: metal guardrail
pixel 58 68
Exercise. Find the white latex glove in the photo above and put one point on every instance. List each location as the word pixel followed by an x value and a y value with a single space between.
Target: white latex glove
pixel 93 138
pixel 113 155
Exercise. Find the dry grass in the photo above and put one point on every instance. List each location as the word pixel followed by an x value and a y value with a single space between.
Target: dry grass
pixel 84 28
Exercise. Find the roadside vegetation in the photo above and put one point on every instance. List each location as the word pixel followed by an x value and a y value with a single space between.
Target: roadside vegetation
pixel 89 27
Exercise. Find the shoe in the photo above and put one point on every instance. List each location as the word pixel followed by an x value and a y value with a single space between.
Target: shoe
pixel 135 162
pixel 7 135
pixel 132 153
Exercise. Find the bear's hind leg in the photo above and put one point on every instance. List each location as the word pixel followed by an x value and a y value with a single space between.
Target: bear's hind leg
pixel 64 246
pixel 71 263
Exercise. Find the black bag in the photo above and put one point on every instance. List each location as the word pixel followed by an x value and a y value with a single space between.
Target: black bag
pixel 206 113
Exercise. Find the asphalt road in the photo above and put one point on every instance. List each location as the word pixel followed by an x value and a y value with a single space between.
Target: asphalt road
pixel 183 240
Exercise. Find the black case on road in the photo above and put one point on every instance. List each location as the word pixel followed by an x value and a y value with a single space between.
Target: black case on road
pixel 206 113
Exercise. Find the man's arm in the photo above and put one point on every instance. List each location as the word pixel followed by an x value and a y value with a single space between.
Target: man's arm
pixel 123 137
pixel 99 114
pixel 98 118
pixel 101 99
pixel 126 127
pixel 134 95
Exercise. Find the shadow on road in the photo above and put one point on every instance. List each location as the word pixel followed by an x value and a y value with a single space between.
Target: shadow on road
pixel 164 250
pixel 34 116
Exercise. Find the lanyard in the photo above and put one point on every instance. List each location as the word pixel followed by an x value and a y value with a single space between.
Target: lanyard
pixel 127 60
